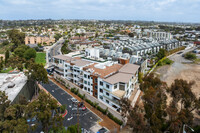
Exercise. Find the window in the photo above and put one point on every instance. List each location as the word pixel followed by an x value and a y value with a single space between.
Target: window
pixel 95 87
pixel 85 82
pixel 89 89
pixel 85 88
pixel 85 76
pixel 107 101
pixel 101 97
pixel 115 86
pixel 107 94
pixel 114 106
pixel 88 77
pixel 101 83
pixel 122 86
pixel 107 86
pixel 101 90
pixel 95 94
pixel 88 83
pixel 95 80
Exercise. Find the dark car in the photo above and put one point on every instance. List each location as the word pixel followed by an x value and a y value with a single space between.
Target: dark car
pixel 81 106
pixel 102 130
pixel 179 52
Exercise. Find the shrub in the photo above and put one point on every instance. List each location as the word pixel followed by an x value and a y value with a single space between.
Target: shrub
pixel 76 91
pixel 90 102
pixel 95 105
pixel 115 119
pixel 190 56
pixel 73 90
pixel 79 95
pixel 62 108
pixel 168 61
pixel 101 110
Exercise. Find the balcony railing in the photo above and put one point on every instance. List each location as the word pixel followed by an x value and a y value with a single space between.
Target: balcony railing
pixel 112 100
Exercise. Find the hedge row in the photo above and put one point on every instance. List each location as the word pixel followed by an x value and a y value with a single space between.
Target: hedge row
pixel 95 105
pixel 115 119
pixel 175 50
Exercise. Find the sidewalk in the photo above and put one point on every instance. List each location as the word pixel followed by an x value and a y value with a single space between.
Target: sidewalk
pixel 106 121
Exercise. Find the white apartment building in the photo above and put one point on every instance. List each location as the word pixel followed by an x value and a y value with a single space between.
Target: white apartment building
pixel 159 35
pixel 108 81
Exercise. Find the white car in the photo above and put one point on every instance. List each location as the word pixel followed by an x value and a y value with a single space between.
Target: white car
pixel 74 100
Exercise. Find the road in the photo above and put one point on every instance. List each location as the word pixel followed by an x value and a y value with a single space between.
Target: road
pixel 53 51
pixel 87 119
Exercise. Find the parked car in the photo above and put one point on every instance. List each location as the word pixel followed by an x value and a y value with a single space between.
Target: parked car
pixel 81 106
pixel 74 100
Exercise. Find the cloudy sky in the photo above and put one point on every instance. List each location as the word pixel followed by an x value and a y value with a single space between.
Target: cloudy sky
pixel 151 10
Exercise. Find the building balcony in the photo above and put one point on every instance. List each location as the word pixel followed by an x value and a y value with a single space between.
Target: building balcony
pixel 59 70
pixel 112 100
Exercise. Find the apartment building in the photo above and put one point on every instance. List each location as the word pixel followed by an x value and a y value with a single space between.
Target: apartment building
pixel 159 35
pixel 111 82
pixel 43 40
pixel 108 81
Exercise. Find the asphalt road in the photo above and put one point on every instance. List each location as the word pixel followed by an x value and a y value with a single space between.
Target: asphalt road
pixel 87 119
pixel 55 50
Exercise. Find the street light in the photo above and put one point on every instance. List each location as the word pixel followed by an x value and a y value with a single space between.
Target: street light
pixel 185 125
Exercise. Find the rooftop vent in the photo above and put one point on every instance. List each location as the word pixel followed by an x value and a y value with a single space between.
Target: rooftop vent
pixel 11 85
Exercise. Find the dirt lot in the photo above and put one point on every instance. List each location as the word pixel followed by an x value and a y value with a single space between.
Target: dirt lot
pixel 181 69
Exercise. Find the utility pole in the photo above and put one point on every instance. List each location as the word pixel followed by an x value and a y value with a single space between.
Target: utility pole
pixel 77 118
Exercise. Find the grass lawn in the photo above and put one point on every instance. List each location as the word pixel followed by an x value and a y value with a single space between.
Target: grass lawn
pixel 7 70
pixel 40 58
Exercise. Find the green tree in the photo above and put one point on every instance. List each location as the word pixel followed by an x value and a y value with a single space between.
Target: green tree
pixel 43 108
pixel 7 55
pixel 16 62
pixel 16 37
pixel 140 76
pixel 12 115
pixel 20 50
pixel 37 73
pixel 57 36
pixel 73 129
pixel 5 43
pixel 30 53
pixel 154 100
pixel 161 54
pixel 1 63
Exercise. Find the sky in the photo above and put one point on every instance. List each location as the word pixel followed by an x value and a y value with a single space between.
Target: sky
pixel 149 10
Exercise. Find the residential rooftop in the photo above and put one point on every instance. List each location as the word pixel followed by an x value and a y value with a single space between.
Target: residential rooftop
pixel 119 77
pixel 129 68
pixel 103 70
pixel 12 84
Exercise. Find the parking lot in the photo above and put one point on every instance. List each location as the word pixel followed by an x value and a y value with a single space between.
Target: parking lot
pixel 87 119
